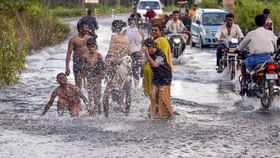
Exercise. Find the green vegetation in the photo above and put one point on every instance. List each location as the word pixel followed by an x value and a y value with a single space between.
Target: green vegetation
pixel 170 8
pixel 25 25
pixel 97 9
pixel 211 4
pixel 246 10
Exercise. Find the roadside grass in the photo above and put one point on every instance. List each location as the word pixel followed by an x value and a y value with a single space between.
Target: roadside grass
pixel 98 10
pixel 25 26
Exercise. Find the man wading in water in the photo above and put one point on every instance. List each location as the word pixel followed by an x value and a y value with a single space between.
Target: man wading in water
pixel 78 44
pixel 69 97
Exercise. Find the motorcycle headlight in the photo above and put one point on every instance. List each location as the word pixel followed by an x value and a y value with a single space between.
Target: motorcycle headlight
pixel 177 40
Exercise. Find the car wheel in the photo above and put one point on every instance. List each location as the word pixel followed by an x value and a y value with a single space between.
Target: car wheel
pixel 201 45
pixel 192 44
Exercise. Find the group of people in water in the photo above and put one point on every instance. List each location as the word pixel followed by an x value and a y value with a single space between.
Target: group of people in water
pixel 90 66
pixel 89 69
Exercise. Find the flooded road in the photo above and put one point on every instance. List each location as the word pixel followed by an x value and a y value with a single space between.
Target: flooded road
pixel 214 120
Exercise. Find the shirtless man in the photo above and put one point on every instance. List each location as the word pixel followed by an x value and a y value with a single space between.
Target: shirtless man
pixel 69 97
pixel 95 72
pixel 78 44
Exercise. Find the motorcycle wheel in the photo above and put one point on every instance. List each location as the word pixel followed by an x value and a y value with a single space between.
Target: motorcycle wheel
pixel 267 97
pixel 176 53
pixel 232 71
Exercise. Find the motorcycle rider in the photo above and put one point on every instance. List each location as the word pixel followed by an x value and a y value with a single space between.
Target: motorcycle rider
pixel 261 43
pixel 225 33
pixel 175 25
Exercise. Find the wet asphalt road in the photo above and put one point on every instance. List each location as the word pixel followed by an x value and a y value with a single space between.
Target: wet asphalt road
pixel 214 120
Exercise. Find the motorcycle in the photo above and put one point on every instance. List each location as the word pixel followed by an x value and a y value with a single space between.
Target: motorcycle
pixel 263 82
pixel 177 44
pixel 230 58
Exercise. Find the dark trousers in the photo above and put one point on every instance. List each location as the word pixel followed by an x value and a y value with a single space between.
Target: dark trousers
pixel 219 53
pixel 135 65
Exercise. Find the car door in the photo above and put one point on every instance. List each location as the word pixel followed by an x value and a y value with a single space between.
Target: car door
pixel 195 28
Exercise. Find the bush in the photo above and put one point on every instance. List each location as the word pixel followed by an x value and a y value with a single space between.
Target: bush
pixel 43 28
pixel 68 12
pixel 97 9
pixel 24 26
pixel 12 52
pixel 246 10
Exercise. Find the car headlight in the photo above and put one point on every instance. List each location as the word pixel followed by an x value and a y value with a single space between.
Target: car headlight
pixel 206 32
pixel 177 40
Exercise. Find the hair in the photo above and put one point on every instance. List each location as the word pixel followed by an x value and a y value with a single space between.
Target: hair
pixel 80 25
pixel 159 27
pixel 131 21
pixel 149 43
pixel 59 74
pixel 91 42
pixel 229 15
pixel 266 11
pixel 118 24
pixel 260 20
pixel 175 12
pixel 89 12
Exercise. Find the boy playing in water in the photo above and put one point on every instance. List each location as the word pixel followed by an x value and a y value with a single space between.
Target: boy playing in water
pixel 94 70
pixel 69 97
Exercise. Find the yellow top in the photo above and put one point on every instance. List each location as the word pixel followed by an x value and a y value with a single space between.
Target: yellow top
pixel 163 44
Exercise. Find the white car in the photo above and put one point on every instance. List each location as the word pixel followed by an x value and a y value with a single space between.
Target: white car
pixel 154 4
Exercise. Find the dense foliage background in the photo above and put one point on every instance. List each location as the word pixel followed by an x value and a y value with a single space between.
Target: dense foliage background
pixel 246 10
pixel 25 25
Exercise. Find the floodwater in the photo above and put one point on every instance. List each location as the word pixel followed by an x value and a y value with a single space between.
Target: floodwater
pixel 213 121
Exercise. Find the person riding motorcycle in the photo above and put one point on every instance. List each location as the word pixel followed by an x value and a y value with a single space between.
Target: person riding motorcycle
pixel 175 25
pixel 225 33
pixel 261 43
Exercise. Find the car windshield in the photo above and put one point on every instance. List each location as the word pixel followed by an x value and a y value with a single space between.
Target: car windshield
pixel 213 18
pixel 153 5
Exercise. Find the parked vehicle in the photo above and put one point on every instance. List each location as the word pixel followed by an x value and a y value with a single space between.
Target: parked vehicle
pixel 154 4
pixel 204 26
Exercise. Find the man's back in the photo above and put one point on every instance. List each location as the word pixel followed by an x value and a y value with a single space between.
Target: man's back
pixel 259 41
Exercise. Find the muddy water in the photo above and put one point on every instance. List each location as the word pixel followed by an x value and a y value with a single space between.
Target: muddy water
pixel 213 122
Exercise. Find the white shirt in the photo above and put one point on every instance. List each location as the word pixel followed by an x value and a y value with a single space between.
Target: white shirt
pixel 134 38
pixel 175 27
pixel 222 33
pixel 259 41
